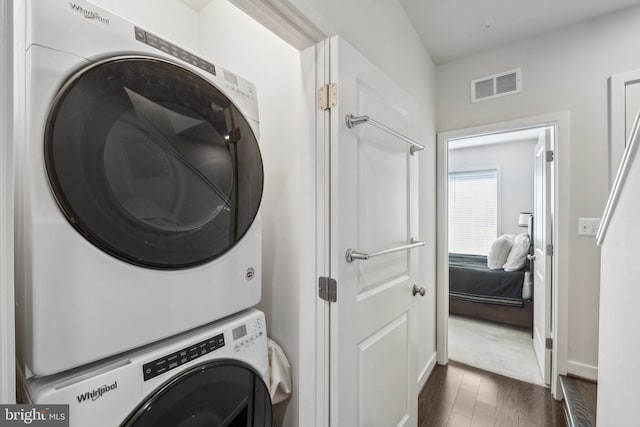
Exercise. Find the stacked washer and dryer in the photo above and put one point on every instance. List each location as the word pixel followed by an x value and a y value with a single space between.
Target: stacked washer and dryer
pixel 138 234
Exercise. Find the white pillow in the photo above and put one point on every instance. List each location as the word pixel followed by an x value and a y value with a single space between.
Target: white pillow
pixel 499 251
pixel 518 256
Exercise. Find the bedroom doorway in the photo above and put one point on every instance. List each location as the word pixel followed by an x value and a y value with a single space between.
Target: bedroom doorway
pixel 490 222
pixel 497 200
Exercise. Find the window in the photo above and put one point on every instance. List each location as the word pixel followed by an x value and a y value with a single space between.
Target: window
pixel 473 211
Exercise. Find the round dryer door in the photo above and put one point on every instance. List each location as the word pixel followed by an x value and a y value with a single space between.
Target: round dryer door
pixel 215 394
pixel 152 163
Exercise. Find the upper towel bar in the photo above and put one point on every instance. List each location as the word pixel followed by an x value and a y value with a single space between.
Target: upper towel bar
pixel 352 254
pixel 352 121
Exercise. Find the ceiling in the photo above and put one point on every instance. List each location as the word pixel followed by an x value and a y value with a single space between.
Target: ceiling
pixel 453 29
pixel 196 4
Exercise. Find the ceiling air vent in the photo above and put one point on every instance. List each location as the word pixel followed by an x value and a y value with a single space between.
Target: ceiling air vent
pixel 506 83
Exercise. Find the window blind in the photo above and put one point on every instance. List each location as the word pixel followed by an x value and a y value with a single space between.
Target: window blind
pixel 473 211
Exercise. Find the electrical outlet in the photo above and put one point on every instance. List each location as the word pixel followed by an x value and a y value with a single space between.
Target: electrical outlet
pixel 588 226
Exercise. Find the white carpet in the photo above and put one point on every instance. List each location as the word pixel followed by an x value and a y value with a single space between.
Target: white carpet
pixel 494 347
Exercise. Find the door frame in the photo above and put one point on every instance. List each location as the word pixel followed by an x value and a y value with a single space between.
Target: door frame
pixel 318 349
pixel 561 234
pixel 7 290
pixel 617 86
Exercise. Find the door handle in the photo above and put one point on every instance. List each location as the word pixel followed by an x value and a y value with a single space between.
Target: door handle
pixel 531 257
pixel 418 290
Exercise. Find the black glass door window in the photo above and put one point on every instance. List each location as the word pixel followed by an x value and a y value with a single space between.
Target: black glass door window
pixel 215 394
pixel 152 163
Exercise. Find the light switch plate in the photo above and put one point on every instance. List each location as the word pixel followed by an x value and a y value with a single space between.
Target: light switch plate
pixel 588 226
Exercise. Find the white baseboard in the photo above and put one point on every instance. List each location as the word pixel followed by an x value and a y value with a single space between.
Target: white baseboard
pixel 426 371
pixel 582 370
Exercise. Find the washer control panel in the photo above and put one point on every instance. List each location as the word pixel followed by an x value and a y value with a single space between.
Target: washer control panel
pixel 185 355
pixel 244 336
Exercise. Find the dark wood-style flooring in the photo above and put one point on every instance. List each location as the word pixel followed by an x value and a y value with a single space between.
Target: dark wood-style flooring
pixel 459 395
pixel 580 400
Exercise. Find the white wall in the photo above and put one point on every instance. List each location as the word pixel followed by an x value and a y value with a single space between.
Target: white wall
pixel 393 42
pixel 383 33
pixel 515 162
pixel 235 41
pixel 618 385
pixel 271 66
pixel 227 36
pixel 7 335
pixel 562 70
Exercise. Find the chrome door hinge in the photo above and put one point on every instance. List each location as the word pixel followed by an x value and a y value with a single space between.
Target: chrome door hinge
pixel 549 343
pixel 328 96
pixel 328 289
pixel 549 156
pixel 549 250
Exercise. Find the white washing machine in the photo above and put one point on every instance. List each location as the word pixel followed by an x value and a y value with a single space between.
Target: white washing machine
pixel 213 376
pixel 138 188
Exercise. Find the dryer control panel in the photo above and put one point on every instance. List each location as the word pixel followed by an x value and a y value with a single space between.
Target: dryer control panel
pixel 185 355
pixel 235 85
pixel 173 50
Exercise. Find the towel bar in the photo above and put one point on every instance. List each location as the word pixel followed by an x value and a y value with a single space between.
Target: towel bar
pixel 353 254
pixel 353 121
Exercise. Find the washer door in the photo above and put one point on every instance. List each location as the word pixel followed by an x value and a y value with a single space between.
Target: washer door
pixel 222 393
pixel 152 163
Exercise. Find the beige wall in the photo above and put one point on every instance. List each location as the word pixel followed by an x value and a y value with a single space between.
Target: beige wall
pixel 565 70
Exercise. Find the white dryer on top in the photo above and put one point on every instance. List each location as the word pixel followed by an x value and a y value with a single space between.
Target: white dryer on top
pixel 138 187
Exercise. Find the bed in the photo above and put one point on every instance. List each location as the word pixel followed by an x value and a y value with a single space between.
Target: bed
pixel 495 295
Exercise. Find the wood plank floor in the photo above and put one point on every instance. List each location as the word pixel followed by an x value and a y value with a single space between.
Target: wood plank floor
pixel 459 395
pixel 581 397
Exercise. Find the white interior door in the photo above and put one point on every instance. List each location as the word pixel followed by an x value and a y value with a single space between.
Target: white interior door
pixel 542 239
pixel 373 207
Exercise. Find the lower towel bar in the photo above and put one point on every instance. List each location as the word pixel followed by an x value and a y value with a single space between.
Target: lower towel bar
pixel 353 254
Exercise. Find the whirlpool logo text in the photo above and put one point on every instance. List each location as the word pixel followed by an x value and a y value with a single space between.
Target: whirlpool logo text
pixel 89 14
pixel 94 395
